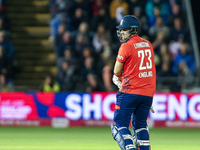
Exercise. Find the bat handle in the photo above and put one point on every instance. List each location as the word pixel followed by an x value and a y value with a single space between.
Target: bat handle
pixel 152 110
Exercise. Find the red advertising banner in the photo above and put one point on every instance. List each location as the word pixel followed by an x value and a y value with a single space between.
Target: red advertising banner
pixel 93 109
pixel 17 106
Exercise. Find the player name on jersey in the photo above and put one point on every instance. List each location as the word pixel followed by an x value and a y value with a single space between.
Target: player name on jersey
pixel 141 44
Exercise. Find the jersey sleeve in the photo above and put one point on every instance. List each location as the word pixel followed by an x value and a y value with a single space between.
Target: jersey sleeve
pixel 123 53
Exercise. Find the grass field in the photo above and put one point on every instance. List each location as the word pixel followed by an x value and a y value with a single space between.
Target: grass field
pixel 91 139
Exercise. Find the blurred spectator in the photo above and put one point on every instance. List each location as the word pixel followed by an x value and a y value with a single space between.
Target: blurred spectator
pixel 159 27
pixel 185 76
pixel 58 7
pixel 7 45
pixel 81 43
pixel 165 71
pixel 174 48
pixel 65 76
pixel 78 18
pixel 158 42
pixel 185 56
pixel 84 30
pixel 4 86
pixel 59 12
pixel 66 42
pixel 163 56
pixel 108 64
pixel 144 27
pixel 2 5
pixel 151 4
pixel 179 32
pixel 120 13
pixel 101 17
pixel 152 19
pixel 115 4
pixel 107 77
pixel 100 36
pixel 93 83
pixel 5 64
pixel 87 68
pixel 59 36
pixel 67 57
pixel 176 13
pixel 49 85
pixel 145 37
pixel 176 2
pixel 136 3
pixel 97 5
pixel 4 18
pixel 84 5
pixel 107 53
pixel 56 22
pixel 87 52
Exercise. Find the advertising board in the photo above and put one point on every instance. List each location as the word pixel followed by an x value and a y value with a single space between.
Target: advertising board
pixel 92 109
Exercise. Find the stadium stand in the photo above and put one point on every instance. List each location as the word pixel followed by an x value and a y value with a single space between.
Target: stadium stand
pixel 30 30
pixel 76 42
pixel 8 66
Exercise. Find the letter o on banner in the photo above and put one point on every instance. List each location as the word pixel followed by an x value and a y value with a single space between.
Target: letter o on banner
pixel 108 100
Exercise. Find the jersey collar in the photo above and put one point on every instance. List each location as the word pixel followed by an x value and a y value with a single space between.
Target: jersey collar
pixel 134 36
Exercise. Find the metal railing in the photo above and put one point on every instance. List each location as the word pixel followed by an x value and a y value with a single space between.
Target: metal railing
pixel 192 33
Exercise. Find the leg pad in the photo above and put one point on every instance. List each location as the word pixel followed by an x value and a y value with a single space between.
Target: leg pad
pixel 118 137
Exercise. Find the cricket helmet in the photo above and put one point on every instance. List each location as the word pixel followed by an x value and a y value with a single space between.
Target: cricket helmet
pixel 128 22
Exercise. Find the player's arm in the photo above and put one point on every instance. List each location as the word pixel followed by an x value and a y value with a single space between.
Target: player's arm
pixel 118 68
pixel 117 74
pixel 121 58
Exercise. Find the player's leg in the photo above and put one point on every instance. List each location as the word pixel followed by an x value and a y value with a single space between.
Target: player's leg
pixel 140 122
pixel 118 137
pixel 122 116
pixel 121 132
pixel 134 132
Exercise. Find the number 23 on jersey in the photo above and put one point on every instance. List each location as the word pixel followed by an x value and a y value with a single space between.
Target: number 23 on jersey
pixel 143 54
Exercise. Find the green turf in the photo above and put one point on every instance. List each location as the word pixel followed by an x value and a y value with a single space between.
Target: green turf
pixel 91 139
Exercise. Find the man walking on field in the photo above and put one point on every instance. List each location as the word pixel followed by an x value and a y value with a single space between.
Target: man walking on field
pixel 135 76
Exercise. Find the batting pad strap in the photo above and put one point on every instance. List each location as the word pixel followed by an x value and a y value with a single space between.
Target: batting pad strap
pixel 134 138
pixel 122 128
pixel 138 130
pixel 127 136
pixel 143 142
pixel 130 146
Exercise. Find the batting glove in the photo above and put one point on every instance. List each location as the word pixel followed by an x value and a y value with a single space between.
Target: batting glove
pixel 116 81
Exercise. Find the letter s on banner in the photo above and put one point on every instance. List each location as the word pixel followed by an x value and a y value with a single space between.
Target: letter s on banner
pixel 74 110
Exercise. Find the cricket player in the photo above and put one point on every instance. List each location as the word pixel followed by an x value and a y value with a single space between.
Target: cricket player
pixel 135 76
